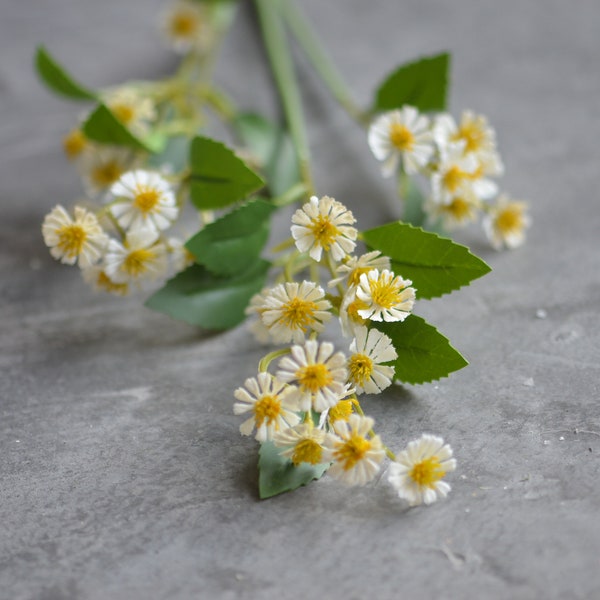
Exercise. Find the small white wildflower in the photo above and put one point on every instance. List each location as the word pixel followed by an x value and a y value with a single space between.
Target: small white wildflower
pixel 474 134
pixel 80 240
pixel 349 317
pixel 388 297
pixel 356 455
pixel 506 223
pixel 417 472
pixel 454 175
pixel 181 257
pixel 319 374
pixel 324 224
pixel 135 111
pixel 143 199
pixel 351 269
pixel 401 135
pixel 75 143
pixel 293 309
pixel 302 443
pixel 370 348
pixel 96 277
pixel 460 210
pixel 186 26
pixel 271 403
pixel 102 166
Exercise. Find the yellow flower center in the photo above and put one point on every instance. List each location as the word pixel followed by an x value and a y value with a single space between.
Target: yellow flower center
pixel 352 451
pixel 184 24
pixel 473 135
pixel 360 367
pixel 354 277
pixel 146 199
pixel 137 261
pixel 314 377
pixel 298 314
pixel 123 112
pixel 71 239
pixel 74 143
pixel 353 308
pixel 384 293
pixel 401 137
pixel 427 472
pixel 268 408
pixel 307 450
pixel 341 411
pixel 324 231
pixel 510 219
pixel 106 174
pixel 459 208
pixel 105 283
pixel 453 178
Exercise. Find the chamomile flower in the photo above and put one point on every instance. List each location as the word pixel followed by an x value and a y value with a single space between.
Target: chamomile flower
pixel 401 135
pixel 353 267
pixel 181 257
pixel 356 454
pixel 143 199
pixel 302 443
pixel 473 133
pixel 506 223
pixel 270 403
pixel 319 374
pixel 293 309
pixel 74 240
pixel 341 411
pixel 388 297
pixel 350 318
pixel 417 472
pixel 103 166
pixel 324 225
pixel 256 307
pixel 186 26
pixel 370 349
pixel 75 143
pixel 453 175
pixel 135 111
pixel 97 278
pixel 459 211
pixel 140 258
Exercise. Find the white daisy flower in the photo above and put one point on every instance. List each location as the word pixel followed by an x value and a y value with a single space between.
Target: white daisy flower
pixel 271 403
pixel 370 348
pixel 302 443
pixel 140 258
pixel 256 307
pixel 401 135
pixel 293 309
pixel 417 472
pixel 349 316
pixel 356 454
pixel 353 267
pixel 80 240
pixel 186 26
pixel 506 223
pixel 97 278
pixel 143 199
pixel 474 134
pixel 388 297
pixel 102 166
pixel 460 211
pixel 75 143
pixel 135 111
pixel 319 374
pixel 324 224
pixel 181 257
pixel 340 412
pixel 454 175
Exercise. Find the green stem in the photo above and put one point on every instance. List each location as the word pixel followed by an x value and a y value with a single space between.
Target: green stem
pixel 263 365
pixel 269 14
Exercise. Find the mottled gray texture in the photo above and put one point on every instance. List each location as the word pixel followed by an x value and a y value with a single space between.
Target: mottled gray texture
pixel 123 473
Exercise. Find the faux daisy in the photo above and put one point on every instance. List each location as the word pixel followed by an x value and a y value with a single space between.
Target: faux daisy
pixel 341 411
pixel 319 374
pixel 506 223
pixel 74 240
pixel 97 278
pixel 417 472
pixel 356 454
pixel 143 199
pixel 132 109
pixel 453 176
pixel 181 257
pixel 401 135
pixel 460 210
pixel 353 267
pixel 270 403
pixel 370 349
pixel 75 143
pixel 302 443
pixel 388 297
pixel 473 133
pixel 103 166
pixel 140 258
pixel 257 327
pixel 349 309
pixel 186 27
pixel 293 309
pixel 324 225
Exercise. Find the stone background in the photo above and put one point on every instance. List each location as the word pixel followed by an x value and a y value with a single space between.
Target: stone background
pixel 123 473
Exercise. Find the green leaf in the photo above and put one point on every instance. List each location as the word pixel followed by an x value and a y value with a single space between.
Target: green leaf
pixel 231 244
pixel 424 354
pixel 436 265
pixel 422 84
pixel 102 126
pixel 200 298
pixel 219 177
pixel 274 149
pixel 278 474
pixel 57 79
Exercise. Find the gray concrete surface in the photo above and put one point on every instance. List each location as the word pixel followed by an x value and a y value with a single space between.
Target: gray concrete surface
pixel 123 474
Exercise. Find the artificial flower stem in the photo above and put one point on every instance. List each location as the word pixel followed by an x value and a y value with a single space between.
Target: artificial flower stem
pixel 269 14
pixel 264 363
pixel 283 245
pixel 290 196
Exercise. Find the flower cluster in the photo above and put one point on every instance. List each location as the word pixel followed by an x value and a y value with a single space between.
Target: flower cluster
pixel 308 407
pixel 460 161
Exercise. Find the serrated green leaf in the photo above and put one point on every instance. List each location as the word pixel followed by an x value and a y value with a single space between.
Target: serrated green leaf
pixel 424 354
pixel 232 243
pixel 57 79
pixel 436 265
pixel 422 84
pixel 219 177
pixel 278 474
pixel 274 149
pixel 201 298
pixel 102 126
